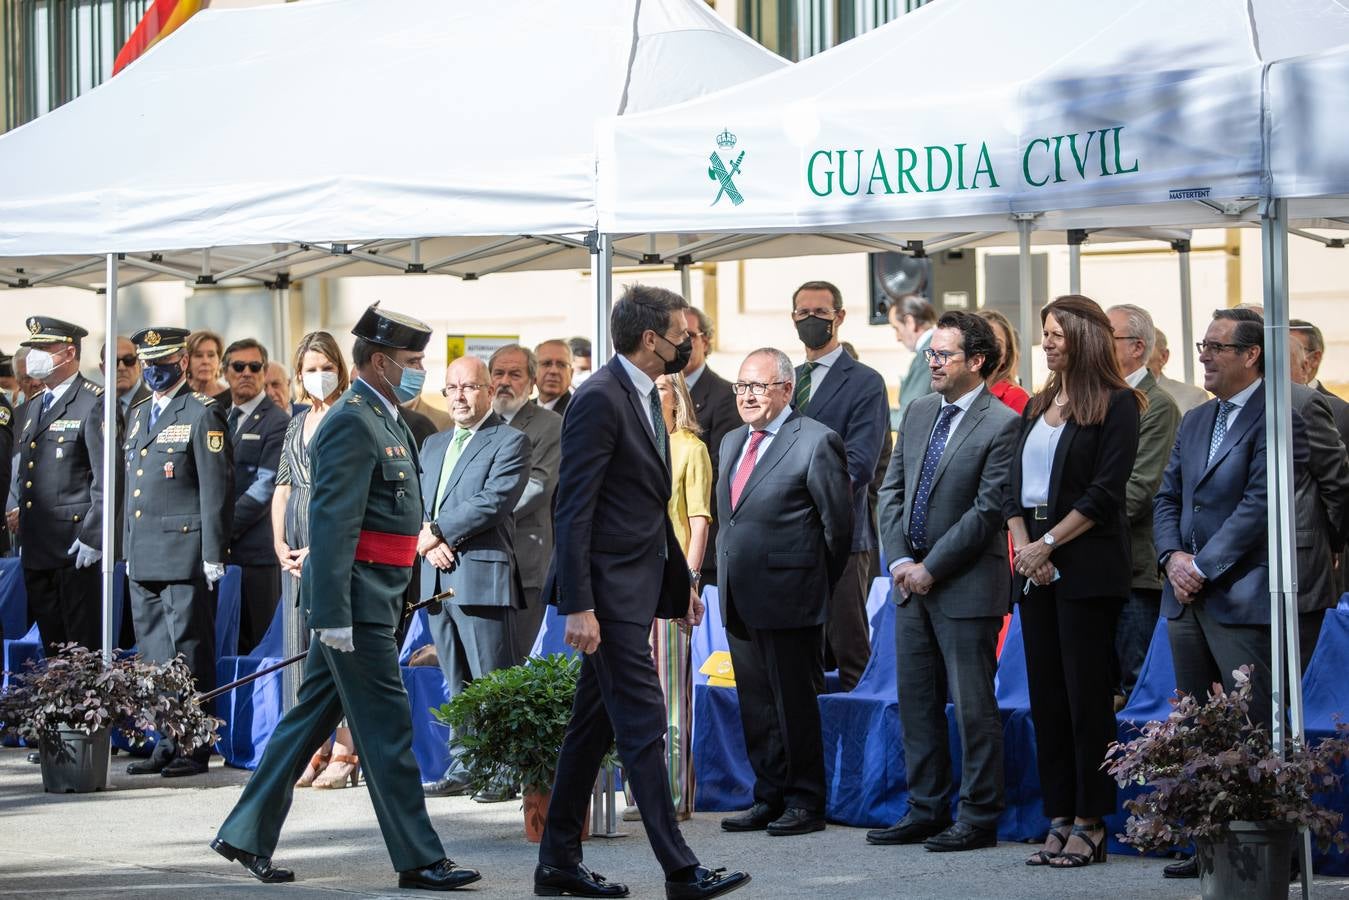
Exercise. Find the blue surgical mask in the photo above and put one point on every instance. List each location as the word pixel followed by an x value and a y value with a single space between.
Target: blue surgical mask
pixel 409 385
pixel 162 376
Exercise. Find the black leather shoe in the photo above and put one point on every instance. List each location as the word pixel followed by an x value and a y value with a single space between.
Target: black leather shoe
pixel 1186 868
pixel 496 795
pixel 756 819
pixel 706 883
pixel 908 830
pixel 35 757
pixel 150 765
pixel 445 787
pixel 550 881
pixel 962 836
pixel 795 821
pixel 440 876
pixel 260 867
pixel 182 766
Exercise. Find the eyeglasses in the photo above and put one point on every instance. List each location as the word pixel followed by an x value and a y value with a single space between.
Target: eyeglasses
pixel 757 388
pixel 1216 347
pixel 799 314
pixel 1127 337
pixel 128 361
pixel 240 367
pixel 451 389
pixel 942 356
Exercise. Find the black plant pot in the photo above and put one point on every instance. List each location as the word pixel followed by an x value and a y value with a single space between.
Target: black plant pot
pixel 78 765
pixel 1250 862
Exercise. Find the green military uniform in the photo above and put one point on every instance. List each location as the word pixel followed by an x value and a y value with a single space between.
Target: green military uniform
pixel 365 480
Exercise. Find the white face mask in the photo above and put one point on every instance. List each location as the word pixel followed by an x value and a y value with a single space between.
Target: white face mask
pixel 40 364
pixel 319 384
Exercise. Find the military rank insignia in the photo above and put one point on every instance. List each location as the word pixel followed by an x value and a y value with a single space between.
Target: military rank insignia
pixel 215 441
pixel 399 451
pixel 4 415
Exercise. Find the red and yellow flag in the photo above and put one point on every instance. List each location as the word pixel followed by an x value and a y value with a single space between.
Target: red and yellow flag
pixel 159 21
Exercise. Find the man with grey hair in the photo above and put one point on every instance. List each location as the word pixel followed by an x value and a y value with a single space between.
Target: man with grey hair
pixel 1134 342
pixel 554 374
pixel 1187 396
pixel 1313 349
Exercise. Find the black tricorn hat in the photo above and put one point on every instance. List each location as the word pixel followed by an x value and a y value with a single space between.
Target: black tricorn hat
pixel 393 330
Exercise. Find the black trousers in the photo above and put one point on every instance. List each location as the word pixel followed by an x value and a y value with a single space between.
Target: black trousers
pixel 1070 648
pixel 849 632
pixel 259 593
pixel 66 603
pixel 618 699
pixel 776 673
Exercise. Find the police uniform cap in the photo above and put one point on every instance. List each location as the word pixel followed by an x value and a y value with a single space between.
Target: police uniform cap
pixel 157 343
pixel 393 330
pixel 46 330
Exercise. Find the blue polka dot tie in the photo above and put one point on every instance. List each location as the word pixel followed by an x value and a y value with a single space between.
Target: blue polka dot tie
pixel 1225 408
pixel 935 446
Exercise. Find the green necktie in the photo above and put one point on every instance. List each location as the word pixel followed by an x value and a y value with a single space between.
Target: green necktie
pixel 658 422
pixel 451 460
pixel 802 395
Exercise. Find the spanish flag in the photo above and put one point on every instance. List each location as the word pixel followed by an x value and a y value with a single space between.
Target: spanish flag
pixel 159 21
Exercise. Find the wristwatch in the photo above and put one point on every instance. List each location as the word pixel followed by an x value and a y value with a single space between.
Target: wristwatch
pixel 435 531
pixel 695 576
pixel 1048 538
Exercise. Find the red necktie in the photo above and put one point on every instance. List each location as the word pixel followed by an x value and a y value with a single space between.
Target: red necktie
pixel 746 466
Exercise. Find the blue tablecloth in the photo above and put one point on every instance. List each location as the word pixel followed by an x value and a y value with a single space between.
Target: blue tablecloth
pixel 13 599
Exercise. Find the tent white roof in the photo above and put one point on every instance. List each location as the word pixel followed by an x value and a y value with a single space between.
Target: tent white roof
pixel 1307 134
pixel 1088 114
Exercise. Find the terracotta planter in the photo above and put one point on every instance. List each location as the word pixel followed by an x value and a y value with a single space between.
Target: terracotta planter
pixel 536 814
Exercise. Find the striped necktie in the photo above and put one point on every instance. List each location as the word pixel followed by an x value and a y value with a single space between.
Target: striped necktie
pixel 802 394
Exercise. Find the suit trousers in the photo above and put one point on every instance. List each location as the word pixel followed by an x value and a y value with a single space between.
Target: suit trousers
pixel 528 621
pixel 1070 646
pixel 943 656
pixel 173 617
pixel 472 641
pixel 1206 651
pixel 847 628
pixel 259 593
pixel 1133 636
pixel 67 605
pixel 618 700
pixel 367 686
pixel 776 675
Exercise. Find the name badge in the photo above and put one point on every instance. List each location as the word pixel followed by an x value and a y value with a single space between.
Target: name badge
pixel 250 437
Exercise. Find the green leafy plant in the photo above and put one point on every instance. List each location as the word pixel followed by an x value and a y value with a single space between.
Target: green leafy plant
pixel 76 691
pixel 1208 765
pixel 508 725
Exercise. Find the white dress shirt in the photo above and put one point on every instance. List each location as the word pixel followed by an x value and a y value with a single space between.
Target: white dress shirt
pixel 1037 462
pixel 1136 376
pixel 388 404
pixel 691 380
pixel 247 409
pixel 644 385
pixel 771 430
pixel 59 391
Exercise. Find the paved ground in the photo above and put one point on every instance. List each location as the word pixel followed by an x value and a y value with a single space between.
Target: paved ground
pixel 147 837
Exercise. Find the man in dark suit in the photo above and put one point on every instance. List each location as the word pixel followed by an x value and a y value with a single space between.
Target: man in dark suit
pixel 1308 350
pixel 60 489
pixel 179 484
pixel 783 494
pixel 555 375
pixel 616 566
pixel 513 370
pixel 714 407
pixel 475 474
pixel 367 495
pixel 942 530
pixel 257 431
pixel 850 398
pixel 1134 341
pixel 913 319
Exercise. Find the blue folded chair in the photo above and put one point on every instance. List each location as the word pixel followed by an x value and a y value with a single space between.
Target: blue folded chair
pixel 13 599
pixel 1325 699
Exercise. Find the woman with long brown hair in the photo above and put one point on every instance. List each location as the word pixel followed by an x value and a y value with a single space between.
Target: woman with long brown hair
pixel 1070 538
pixel 1002 383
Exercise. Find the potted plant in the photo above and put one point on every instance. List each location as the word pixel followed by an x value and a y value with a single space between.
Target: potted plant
pixel 70 704
pixel 1217 782
pixel 507 728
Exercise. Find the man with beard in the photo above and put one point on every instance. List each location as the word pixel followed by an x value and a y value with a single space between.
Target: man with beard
pixel 513 370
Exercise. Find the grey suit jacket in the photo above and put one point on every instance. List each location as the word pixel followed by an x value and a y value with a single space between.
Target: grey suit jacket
pixel 1156 435
pixel 476 513
pixel 966 527
pixel 917 381
pixel 1321 498
pixel 534 510
pixel 1187 396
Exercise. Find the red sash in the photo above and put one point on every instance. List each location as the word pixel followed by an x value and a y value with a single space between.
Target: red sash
pixel 387 549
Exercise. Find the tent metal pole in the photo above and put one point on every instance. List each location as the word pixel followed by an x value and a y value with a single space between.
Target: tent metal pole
pixel 1076 238
pixel 1026 304
pixel 685 283
pixel 112 452
pixel 1182 249
pixel 602 271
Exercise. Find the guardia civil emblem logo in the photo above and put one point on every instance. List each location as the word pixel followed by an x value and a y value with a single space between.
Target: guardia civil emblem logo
pixel 723 174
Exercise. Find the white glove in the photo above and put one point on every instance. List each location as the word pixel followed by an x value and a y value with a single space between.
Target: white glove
pixel 85 555
pixel 213 571
pixel 339 639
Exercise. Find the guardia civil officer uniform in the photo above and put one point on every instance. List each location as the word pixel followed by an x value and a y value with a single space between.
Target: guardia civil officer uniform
pixel 60 498
pixel 179 487
pixel 365 506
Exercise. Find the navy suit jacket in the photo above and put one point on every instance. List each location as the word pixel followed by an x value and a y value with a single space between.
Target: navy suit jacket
pixel 257 454
pixel 615 550
pixel 852 401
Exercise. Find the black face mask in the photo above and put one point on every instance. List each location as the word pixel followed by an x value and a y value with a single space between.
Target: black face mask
pixel 814 332
pixel 683 353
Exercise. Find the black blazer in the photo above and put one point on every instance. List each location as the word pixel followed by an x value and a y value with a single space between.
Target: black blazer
pixel 257 455
pixel 714 407
pixel 1092 464
pixel 615 550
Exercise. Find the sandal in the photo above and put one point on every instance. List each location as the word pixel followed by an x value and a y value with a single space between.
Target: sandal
pixel 1059 829
pixel 1066 860
pixel 316 765
pixel 343 770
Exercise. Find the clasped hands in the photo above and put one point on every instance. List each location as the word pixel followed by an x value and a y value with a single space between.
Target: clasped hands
pixel 1032 561
pixel 912 578
pixel 435 550
pixel 1184 577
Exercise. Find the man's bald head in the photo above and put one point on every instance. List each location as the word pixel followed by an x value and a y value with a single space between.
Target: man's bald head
pixel 468 390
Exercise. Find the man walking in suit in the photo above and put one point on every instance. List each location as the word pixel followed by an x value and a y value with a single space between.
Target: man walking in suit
pixel 942 529
pixel 616 566
pixel 913 319
pixel 179 483
pixel 714 407
pixel 835 390
pixel 60 489
pixel 475 474
pixel 257 430
pixel 367 495
pixel 513 369
pixel 555 375
pixel 784 498
pixel 1134 340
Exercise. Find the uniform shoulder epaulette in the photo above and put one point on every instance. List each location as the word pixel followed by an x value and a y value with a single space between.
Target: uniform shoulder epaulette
pixel 96 389
pixel 141 400
pixel 354 398
pixel 203 399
